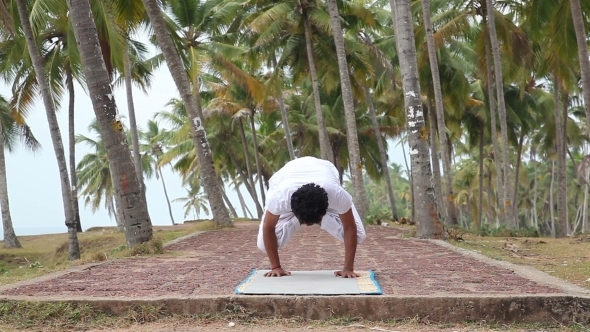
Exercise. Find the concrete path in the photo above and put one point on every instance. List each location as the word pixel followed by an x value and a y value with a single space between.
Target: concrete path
pixel 419 278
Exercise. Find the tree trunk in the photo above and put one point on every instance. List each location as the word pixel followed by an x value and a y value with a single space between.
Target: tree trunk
pixel 324 138
pixel 206 169
pixel 427 223
pixel 72 144
pixel 246 155
pixel 535 212
pixel 284 116
pixel 231 208
pixel 10 239
pixel 356 172
pixel 551 204
pixel 582 54
pixel 132 121
pixel 118 213
pixel 382 153
pixel 166 195
pixel 507 190
pixel 481 176
pixel 435 161
pixel 251 189
pixel 257 158
pixel 440 116
pixel 245 209
pixel 135 215
pixel 585 209
pixel 562 203
pixel 517 176
pixel 494 126
pixel 42 80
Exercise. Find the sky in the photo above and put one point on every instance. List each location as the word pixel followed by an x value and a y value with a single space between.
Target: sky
pixel 33 181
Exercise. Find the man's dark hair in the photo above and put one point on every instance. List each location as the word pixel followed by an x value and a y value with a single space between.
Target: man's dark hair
pixel 309 204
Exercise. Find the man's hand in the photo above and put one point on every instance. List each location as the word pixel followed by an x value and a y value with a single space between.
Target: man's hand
pixel 346 274
pixel 277 273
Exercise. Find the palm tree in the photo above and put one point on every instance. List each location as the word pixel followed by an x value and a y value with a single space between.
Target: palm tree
pixel 426 216
pixel 95 175
pixel 440 114
pixel 508 191
pixel 294 16
pixel 23 12
pixel 153 147
pixel 138 226
pixel 209 178
pixel 356 170
pixel 194 201
pixel 11 131
pixel 581 39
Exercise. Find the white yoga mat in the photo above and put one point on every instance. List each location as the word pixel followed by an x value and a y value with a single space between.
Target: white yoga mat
pixel 322 282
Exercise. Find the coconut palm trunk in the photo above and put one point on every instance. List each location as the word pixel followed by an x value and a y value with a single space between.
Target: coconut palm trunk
pixel 356 171
pixel 517 174
pixel 247 213
pixel 581 38
pixel 428 224
pixel 551 201
pixel 449 198
pixel 382 153
pixel 246 154
pixel 230 206
pixel 10 239
pixel 481 176
pixel 250 188
pixel 207 173
pixel 138 226
pixel 284 117
pixel 495 46
pixel 72 144
pixel 166 195
pixel 132 120
pixel 562 203
pixel 325 146
pixel 257 158
pixel 493 124
pixel 38 65
pixel 434 156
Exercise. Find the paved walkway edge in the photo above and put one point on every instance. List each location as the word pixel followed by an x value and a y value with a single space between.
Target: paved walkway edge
pixel 545 308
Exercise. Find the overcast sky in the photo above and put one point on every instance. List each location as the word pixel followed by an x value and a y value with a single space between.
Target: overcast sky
pixel 33 180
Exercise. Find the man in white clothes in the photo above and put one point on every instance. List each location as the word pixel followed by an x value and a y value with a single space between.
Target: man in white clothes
pixel 307 191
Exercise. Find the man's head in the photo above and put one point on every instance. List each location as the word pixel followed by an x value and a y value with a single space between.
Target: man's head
pixel 309 204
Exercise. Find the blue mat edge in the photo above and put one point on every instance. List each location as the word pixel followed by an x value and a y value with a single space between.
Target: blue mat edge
pixel 252 273
pixel 371 275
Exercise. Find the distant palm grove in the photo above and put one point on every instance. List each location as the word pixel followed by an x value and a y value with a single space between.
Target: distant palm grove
pixel 489 100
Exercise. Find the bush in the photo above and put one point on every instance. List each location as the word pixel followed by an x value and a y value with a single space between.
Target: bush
pixel 152 247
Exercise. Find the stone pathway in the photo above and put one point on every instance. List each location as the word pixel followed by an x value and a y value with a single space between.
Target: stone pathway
pixel 214 263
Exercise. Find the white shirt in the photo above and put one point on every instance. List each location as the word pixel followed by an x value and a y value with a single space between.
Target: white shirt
pixel 299 172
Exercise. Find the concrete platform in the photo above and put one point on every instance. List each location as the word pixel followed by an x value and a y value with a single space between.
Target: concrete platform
pixel 431 280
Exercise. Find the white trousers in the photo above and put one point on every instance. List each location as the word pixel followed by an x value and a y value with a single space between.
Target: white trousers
pixel 288 224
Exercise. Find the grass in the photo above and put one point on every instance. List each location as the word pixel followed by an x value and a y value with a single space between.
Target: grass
pixel 567 258
pixel 51 316
pixel 42 254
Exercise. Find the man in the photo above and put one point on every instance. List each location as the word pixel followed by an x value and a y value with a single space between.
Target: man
pixel 307 191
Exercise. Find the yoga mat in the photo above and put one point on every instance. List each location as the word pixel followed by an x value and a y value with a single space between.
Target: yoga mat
pixel 322 282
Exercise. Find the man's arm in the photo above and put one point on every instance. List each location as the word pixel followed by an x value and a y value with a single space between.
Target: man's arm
pixel 350 242
pixel 271 245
